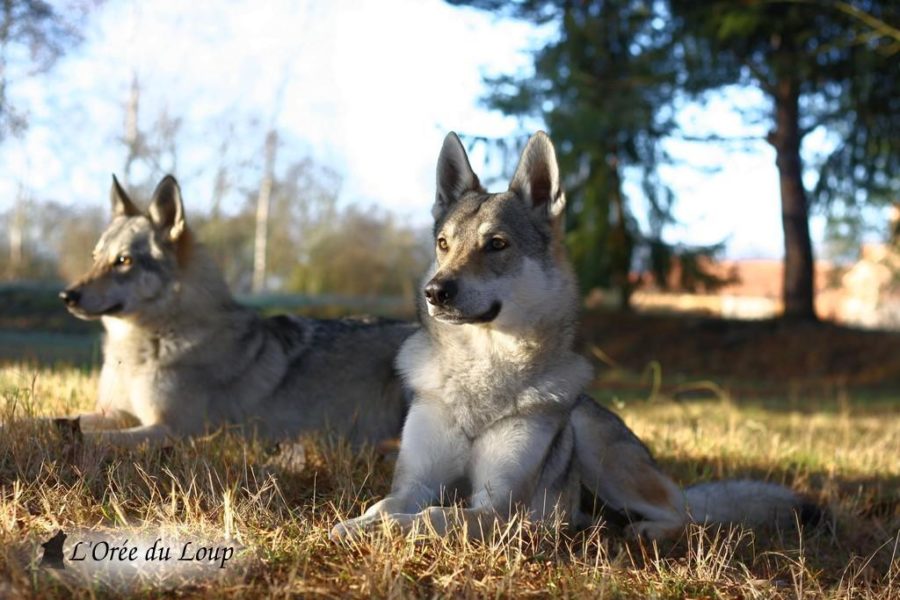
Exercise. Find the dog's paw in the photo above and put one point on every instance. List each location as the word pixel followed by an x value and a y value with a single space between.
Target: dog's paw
pixel 350 529
pixel 69 429
pixel 652 531
pixel 353 529
pixel 289 458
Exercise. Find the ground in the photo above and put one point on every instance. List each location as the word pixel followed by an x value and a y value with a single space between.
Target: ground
pixel 711 399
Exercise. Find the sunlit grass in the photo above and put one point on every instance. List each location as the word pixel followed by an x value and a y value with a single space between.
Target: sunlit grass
pixel 223 486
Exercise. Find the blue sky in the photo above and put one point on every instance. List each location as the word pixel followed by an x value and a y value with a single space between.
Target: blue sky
pixel 366 87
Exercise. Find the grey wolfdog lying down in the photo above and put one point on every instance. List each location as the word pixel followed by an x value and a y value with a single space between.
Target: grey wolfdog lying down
pixel 499 416
pixel 181 357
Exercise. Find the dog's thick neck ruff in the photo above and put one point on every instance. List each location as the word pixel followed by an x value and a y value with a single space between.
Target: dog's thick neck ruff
pixel 194 311
pixel 483 374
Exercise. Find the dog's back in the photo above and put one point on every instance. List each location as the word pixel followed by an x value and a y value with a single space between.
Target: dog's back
pixel 342 380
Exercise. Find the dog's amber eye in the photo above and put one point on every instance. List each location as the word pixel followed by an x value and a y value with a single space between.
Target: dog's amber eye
pixel 123 260
pixel 442 244
pixel 497 244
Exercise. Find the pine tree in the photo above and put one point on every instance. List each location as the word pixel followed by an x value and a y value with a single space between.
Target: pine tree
pixel 822 64
pixel 599 86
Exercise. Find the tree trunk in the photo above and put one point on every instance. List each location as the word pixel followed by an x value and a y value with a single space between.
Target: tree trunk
pixel 132 137
pixel 895 224
pixel 621 243
pixel 261 239
pixel 799 291
pixel 17 237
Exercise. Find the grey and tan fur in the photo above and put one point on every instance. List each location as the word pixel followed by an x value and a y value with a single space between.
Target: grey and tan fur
pixel 181 356
pixel 499 417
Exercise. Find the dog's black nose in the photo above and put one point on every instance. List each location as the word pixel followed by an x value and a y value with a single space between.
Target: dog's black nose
pixel 70 297
pixel 440 293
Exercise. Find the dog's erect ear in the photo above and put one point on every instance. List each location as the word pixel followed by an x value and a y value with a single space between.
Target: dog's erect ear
pixel 122 206
pixel 455 176
pixel 537 177
pixel 166 208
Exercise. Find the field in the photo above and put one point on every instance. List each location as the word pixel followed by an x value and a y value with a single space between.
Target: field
pixel 833 436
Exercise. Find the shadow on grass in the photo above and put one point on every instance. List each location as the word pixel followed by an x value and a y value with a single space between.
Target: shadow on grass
pixel 46 348
pixel 857 535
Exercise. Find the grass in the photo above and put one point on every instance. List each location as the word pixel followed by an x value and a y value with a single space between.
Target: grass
pixel 278 506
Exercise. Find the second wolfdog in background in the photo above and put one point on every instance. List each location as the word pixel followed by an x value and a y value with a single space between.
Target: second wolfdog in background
pixel 499 415
pixel 181 356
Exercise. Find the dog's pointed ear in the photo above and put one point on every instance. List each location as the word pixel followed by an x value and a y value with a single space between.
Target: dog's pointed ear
pixel 537 177
pixel 122 206
pixel 167 209
pixel 455 176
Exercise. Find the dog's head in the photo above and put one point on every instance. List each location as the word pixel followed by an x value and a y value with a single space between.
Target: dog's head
pixel 499 258
pixel 136 259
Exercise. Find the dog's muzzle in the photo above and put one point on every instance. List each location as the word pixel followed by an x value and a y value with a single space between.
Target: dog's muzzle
pixel 72 299
pixel 441 294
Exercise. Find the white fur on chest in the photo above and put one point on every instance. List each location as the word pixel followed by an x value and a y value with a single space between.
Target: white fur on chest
pixel 133 391
pixel 117 330
pixel 492 377
pixel 130 379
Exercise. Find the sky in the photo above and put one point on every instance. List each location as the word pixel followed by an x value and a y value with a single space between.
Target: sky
pixel 367 88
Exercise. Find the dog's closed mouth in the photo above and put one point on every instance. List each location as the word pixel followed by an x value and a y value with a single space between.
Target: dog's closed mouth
pixel 490 315
pixel 485 317
pixel 93 314
pixel 114 309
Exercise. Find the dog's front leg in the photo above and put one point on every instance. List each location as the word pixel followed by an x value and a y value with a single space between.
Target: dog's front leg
pixel 154 435
pixel 386 510
pixel 103 420
pixel 510 462
pixel 85 422
pixel 116 428
pixel 476 522
pixel 433 454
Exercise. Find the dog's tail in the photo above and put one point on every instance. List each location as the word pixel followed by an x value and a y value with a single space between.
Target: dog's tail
pixel 753 503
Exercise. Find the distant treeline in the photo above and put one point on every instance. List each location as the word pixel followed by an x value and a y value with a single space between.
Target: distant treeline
pixel 315 247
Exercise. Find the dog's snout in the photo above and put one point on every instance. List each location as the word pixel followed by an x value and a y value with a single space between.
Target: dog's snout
pixel 440 293
pixel 70 297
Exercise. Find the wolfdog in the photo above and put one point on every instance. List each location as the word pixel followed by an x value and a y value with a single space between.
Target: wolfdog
pixel 499 416
pixel 181 356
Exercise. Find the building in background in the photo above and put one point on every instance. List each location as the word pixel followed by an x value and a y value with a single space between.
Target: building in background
pixel 864 294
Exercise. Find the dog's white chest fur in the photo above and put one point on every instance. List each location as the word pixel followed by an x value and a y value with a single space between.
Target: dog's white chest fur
pixel 138 375
pixel 485 382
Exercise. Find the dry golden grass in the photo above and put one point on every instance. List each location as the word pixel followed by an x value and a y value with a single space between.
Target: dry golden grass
pixel 224 487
